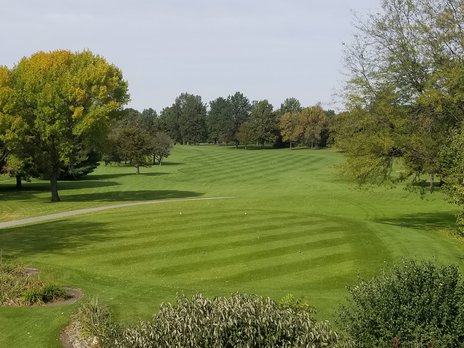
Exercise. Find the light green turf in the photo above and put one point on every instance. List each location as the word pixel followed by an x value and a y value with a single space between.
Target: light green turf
pixel 293 227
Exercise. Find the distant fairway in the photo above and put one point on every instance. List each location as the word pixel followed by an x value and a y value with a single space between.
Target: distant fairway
pixel 294 226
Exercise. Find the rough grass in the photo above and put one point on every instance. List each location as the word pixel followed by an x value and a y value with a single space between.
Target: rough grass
pixel 293 227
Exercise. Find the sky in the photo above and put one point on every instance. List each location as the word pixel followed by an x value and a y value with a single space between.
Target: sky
pixel 266 49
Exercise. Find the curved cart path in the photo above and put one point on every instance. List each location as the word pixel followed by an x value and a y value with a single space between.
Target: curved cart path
pixel 36 219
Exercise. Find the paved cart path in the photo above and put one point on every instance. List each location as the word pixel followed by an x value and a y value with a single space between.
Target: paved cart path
pixel 36 219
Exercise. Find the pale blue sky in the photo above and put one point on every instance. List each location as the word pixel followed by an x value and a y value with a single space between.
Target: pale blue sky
pixel 270 49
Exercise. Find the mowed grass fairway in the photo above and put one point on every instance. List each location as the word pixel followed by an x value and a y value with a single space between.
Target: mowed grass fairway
pixel 293 226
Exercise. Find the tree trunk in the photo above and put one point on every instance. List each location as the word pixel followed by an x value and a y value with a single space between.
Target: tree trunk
pixel 137 167
pixel 54 187
pixel 160 160
pixel 154 159
pixel 19 183
pixel 432 182
pixel 290 145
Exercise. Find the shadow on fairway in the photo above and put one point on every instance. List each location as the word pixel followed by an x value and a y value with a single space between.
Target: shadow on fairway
pixel 51 237
pixel 92 177
pixel 31 189
pixel 141 195
pixel 422 221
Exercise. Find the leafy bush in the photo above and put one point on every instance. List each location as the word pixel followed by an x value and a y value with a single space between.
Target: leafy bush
pixel 236 321
pixel 414 304
pixel 19 287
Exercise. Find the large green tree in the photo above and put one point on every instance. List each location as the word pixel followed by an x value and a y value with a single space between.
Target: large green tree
pixel 290 105
pixel 241 109
pixel 263 122
pixel 185 120
pixel 63 100
pixel 220 121
pixel 131 144
pixel 405 97
pixel 305 127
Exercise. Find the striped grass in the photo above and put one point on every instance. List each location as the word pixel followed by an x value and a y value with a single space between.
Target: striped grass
pixel 294 226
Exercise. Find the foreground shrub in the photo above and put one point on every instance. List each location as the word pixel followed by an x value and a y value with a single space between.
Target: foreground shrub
pixel 93 319
pixel 415 304
pixel 236 321
pixel 19 287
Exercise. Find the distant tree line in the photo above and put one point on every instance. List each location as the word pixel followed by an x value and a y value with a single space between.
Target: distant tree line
pixel 235 120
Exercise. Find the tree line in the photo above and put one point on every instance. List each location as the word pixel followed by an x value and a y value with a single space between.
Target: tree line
pixel 145 138
pixel 235 120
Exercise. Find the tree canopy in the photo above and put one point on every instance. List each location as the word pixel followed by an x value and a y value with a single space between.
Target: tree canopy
pixel 405 97
pixel 54 104
pixel 185 120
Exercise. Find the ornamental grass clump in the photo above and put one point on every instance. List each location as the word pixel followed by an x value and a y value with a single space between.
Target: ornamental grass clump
pixel 18 287
pixel 94 321
pixel 414 304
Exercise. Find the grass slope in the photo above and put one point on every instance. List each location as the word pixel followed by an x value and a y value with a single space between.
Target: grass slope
pixel 293 227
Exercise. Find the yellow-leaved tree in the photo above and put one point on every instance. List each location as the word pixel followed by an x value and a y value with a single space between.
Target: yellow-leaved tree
pixel 63 102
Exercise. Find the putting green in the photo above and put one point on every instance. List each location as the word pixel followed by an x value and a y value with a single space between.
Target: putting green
pixel 294 226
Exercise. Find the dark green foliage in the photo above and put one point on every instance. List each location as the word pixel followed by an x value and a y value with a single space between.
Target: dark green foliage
pixel 185 120
pixel 290 105
pixel 84 163
pixel 236 321
pixel 162 145
pixel 263 122
pixel 131 144
pixel 220 121
pixel 415 303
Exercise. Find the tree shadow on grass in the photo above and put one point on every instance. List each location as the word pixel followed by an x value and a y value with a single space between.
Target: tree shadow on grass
pixel 29 190
pixel 92 177
pixel 422 221
pixel 142 195
pixel 61 236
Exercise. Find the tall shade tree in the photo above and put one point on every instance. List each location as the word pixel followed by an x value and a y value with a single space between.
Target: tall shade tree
pixel 241 109
pixel 220 121
pixel 185 120
pixel 245 134
pixel 192 118
pixel 131 144
pixel 162 145
pixel 313 122
pixel 290 105
pixel 406 94
pixel 290 127
pixel 263 122
pixel 306 127
pixel 65 100
pixel 169 122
